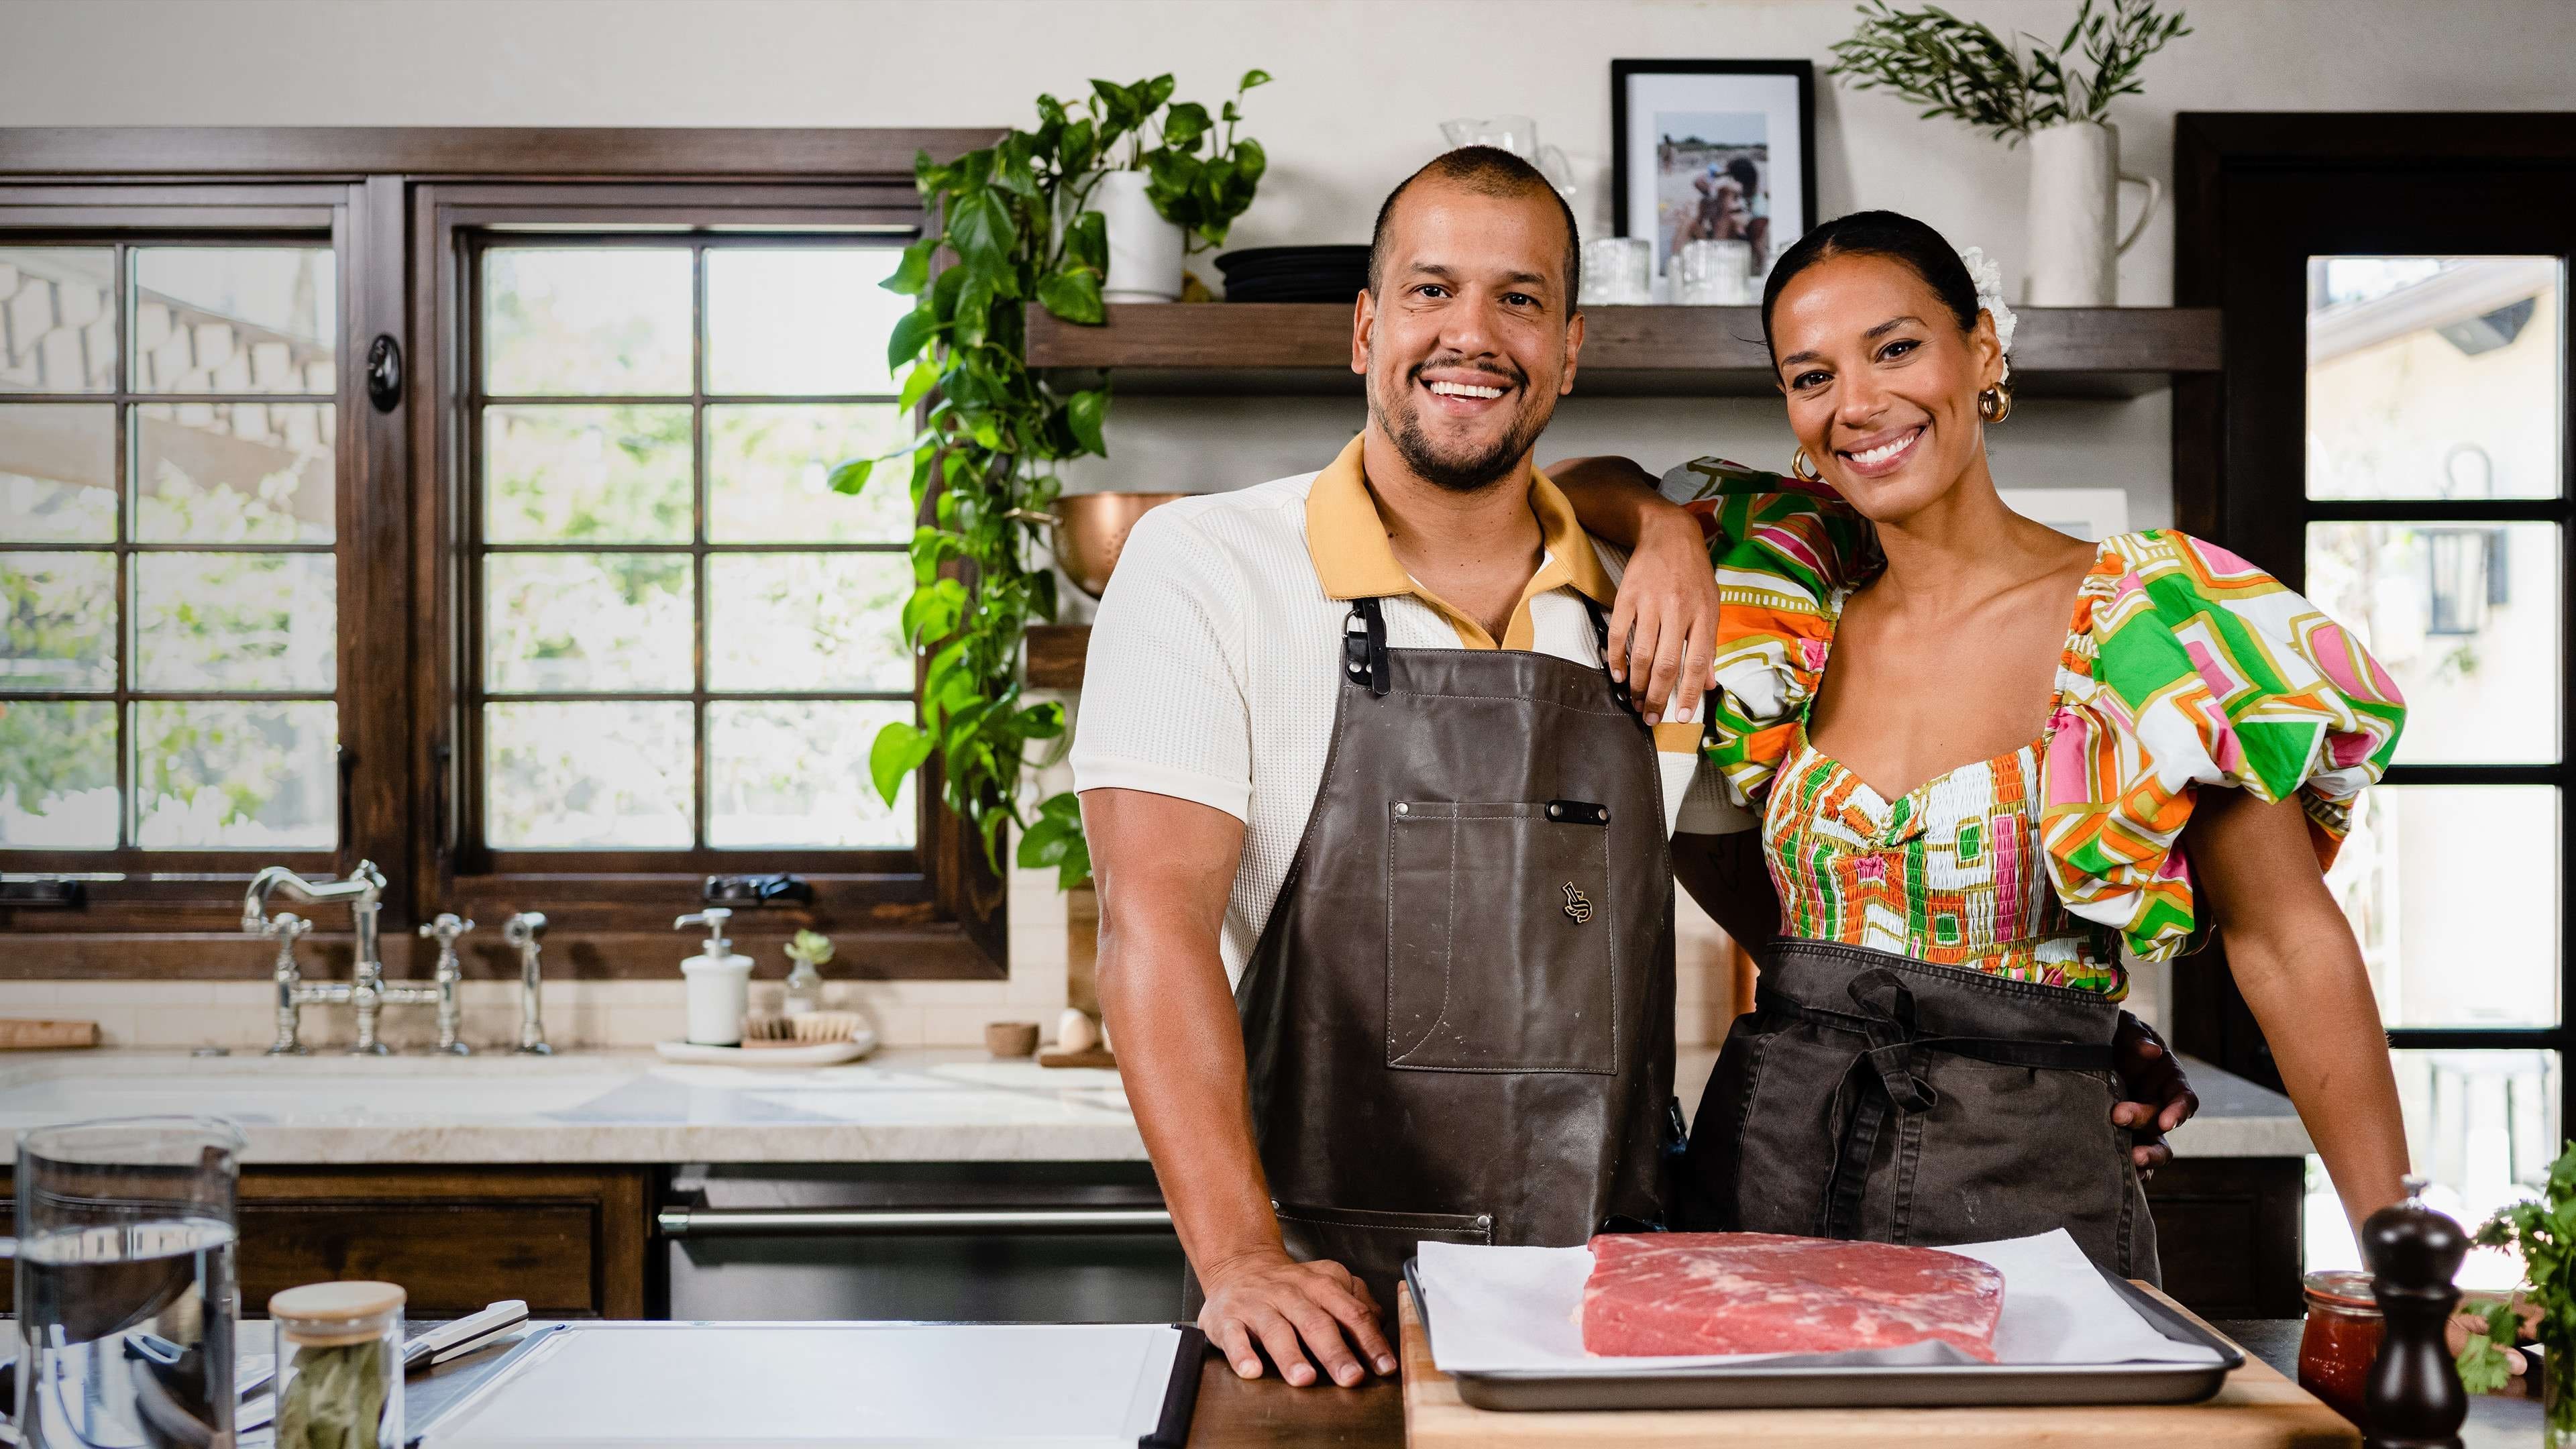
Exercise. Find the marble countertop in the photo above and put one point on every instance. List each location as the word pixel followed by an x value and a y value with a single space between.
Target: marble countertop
pixel 916 1105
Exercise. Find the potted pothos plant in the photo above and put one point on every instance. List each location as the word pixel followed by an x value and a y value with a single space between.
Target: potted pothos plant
pixel 1012 227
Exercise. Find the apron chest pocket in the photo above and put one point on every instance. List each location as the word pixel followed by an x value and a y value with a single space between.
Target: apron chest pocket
pixel 1501 938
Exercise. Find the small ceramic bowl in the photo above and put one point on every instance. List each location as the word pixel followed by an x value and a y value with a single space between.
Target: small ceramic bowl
pixel 1011 1038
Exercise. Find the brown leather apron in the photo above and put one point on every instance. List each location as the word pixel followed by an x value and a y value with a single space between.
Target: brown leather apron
pixel 1870 1095
pixel 1458 1023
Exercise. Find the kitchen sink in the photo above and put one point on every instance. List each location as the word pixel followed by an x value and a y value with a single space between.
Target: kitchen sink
pixel 301 1090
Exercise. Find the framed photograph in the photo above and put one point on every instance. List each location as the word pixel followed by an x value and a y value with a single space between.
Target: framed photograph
pixel 1715 149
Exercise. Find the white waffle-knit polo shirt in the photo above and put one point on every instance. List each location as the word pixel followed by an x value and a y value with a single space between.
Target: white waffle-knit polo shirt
pixel 1217 652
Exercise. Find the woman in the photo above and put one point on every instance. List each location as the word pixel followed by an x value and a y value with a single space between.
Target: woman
pixel 2026 751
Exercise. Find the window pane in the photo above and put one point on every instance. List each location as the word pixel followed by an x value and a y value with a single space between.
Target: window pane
pixel 234 472
pixel 58 630
pixel 767 467
pixel 808 622
pixel 586 474
pixel 2483 1125
pixel 796 773
pixel 611 321
pixel 57 329
pixel 800 321
pixel 596 622
pixel 2434 377
pixel 235 319
pixel 2465 617
pixel 246 621
pixel 226 773
pixel 57 775
pixel 58 473
pixel 608 775
pixel 2453 893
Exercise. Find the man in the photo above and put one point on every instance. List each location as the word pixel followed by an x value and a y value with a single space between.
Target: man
pixel 1332 983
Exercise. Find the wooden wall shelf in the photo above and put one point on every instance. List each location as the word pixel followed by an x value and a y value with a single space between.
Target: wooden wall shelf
pixel 1269 348
pixel 1055 655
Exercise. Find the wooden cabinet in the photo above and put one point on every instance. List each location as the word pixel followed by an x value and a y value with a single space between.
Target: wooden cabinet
pixel 2228 1230
pixel 571 1241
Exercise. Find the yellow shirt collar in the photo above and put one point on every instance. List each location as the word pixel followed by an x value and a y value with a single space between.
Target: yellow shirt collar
pixel 1346 537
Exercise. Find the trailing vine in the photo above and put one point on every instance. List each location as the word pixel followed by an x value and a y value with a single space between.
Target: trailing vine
pixel 1015 227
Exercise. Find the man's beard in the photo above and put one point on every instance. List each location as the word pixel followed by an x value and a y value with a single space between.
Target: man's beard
pixel 1477 471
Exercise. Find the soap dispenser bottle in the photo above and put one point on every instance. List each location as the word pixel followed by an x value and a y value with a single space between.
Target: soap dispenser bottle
pixel 719 982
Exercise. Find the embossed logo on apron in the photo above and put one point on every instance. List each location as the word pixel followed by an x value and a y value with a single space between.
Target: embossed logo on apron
pixel 1577 904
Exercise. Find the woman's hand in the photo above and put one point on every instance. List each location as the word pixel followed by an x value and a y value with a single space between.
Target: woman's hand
pixel 1663 626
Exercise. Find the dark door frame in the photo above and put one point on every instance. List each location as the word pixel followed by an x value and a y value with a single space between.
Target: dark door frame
pixel 2255 193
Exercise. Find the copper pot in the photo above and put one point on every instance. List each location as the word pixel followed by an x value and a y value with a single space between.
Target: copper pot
pixel 1091 528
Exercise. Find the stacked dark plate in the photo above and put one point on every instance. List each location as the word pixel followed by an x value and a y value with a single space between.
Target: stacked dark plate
pixel 1294 274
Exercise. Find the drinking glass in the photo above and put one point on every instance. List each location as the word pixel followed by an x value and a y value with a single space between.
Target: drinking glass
pixel 1715 273
pixel 1618 272
pixel 126 1297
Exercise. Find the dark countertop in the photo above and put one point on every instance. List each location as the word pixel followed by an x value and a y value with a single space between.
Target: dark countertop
pixel 1267 1414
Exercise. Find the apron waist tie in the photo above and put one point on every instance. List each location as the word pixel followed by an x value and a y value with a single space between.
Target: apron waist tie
pixel 1882 1081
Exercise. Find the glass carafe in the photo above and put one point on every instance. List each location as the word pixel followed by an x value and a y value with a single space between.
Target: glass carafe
pixel 125 1291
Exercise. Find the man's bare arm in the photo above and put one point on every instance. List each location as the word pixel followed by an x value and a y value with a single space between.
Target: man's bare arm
pixel 1164 868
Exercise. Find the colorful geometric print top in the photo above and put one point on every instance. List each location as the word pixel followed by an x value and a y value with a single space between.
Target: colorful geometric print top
pixel 2184 666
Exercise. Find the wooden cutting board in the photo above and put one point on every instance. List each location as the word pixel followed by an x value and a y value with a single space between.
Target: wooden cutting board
pixel 27 1034
pixel 2257 1407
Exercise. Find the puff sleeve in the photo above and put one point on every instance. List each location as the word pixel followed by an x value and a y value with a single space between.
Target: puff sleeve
pixel 2189 667
pixel 1785 552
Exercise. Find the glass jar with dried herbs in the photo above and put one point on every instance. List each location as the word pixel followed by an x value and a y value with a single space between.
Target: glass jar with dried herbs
pixel 339 1366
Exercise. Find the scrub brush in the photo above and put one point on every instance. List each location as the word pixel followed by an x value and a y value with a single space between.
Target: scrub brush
pixel 768 1029
pixel 816 1028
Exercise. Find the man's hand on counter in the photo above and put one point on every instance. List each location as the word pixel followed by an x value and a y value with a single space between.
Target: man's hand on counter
pixel 1292 1309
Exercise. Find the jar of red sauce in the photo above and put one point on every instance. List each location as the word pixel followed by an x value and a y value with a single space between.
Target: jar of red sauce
pixel 2341 1339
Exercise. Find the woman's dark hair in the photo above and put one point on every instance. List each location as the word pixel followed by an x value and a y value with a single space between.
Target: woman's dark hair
pixel 1878 234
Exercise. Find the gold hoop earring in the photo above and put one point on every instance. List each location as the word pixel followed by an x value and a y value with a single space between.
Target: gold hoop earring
pixel 1995 404
pixel 1802 468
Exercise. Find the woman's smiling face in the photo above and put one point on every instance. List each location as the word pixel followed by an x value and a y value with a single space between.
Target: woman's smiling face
pixel 1881 382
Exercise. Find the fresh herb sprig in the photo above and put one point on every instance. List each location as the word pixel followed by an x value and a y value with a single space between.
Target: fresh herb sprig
pixel 2543 1229
pixel 1962 70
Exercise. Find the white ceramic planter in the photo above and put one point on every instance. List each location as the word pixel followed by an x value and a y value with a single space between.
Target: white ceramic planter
pixel 2075 245
pixel 1144 250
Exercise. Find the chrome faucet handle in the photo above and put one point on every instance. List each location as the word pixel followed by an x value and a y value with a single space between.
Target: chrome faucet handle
pixel 444 928
pixel 286 928
pixel 522 929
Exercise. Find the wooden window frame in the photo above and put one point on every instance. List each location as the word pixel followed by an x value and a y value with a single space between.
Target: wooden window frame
pixel 396 202
pixel 2251 190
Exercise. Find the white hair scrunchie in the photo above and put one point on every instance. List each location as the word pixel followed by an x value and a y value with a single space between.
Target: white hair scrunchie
pixel 1988 275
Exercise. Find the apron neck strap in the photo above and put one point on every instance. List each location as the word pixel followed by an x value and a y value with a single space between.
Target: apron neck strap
pixel 1364 646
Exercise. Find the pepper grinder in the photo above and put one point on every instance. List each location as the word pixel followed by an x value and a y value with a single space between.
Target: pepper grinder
pixel 2413 1398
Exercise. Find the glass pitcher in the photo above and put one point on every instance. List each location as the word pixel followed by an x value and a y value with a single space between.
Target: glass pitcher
pixel 126 1298
pixel 1518 135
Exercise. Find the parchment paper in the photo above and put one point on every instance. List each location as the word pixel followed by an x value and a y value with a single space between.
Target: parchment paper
pixel 1504 1309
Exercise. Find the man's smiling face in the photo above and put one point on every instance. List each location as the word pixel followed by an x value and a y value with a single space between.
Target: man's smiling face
pixel 1470 337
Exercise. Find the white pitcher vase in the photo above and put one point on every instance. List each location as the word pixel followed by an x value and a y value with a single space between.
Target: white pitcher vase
pixel 1144 249
pixel 2075 243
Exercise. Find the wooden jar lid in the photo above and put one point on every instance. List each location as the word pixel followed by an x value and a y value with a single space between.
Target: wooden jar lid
pixel 323 1314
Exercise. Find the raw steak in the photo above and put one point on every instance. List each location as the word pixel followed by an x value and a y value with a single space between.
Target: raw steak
pixel 1690 1293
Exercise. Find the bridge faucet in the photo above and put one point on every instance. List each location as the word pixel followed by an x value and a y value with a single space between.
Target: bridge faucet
pixel 364 892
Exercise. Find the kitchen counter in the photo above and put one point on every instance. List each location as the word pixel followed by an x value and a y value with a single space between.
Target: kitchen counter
pixel 631 1107
pixel 1235 1414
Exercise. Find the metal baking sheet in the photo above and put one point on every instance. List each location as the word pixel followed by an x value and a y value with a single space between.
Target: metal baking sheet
pixel 1826 1386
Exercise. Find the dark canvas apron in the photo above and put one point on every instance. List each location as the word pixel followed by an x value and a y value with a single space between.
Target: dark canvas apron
pixel 1458 1023
pixel 1869 1095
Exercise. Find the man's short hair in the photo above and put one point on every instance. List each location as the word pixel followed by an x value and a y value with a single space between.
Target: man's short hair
pixel 1488 171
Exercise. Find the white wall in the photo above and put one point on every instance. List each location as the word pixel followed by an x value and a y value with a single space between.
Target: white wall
pixel 1361 87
